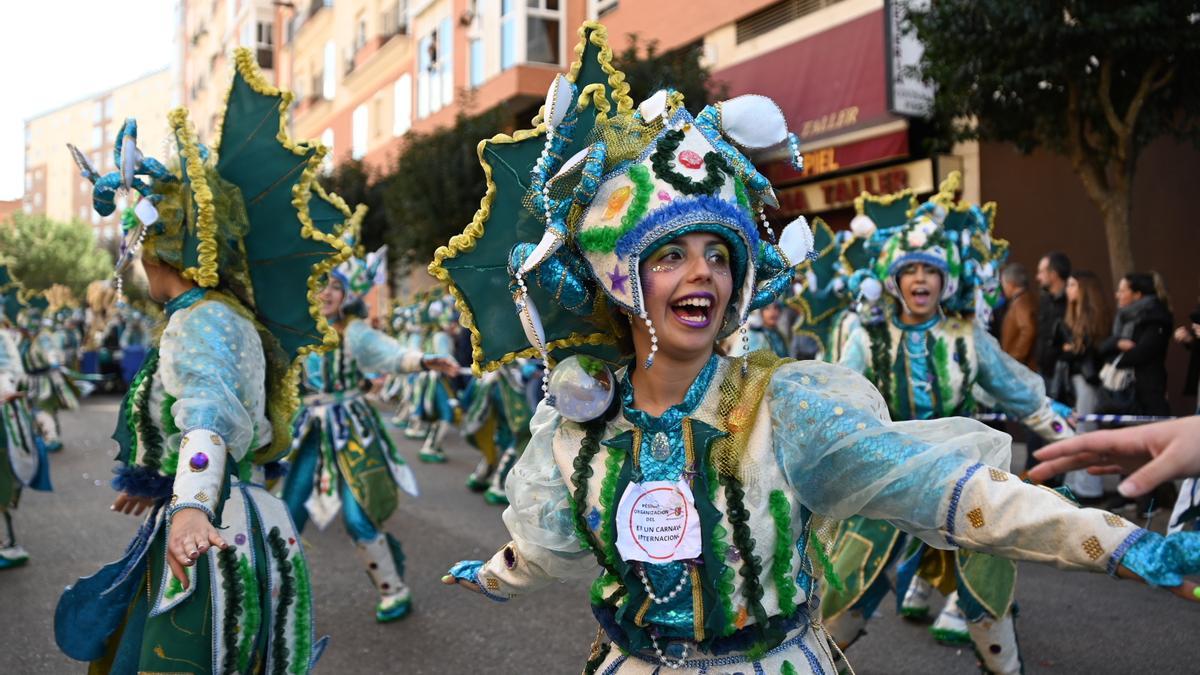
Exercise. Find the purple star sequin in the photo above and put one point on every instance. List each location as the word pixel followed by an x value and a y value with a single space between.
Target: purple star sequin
pixel 617 280
pixel 198 462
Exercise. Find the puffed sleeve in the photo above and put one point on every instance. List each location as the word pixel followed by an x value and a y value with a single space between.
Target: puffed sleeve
pixel 856 354
pixel 539 519
pixel 941 480
pixel 378 352
pixel 840 451
pixel 1017 390
pixel 211 363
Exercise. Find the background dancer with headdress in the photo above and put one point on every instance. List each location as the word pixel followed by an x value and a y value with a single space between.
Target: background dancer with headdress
pixel 343 457
pixel 693 482
pixel 216 579
pixel 23 461
pixel 937 261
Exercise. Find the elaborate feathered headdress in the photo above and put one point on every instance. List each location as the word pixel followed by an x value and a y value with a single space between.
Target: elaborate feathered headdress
pixel 599 183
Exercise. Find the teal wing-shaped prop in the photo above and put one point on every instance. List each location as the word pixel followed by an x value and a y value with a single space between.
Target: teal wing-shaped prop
pixel 474 265
pixel 293 237
pixel 821 302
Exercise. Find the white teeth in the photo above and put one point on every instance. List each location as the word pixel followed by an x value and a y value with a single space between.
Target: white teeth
pixel 694 302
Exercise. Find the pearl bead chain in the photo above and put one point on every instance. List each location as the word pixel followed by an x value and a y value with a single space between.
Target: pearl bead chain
pixel 653 340
pixel 524 298
pixel 762 215
pixel 662 600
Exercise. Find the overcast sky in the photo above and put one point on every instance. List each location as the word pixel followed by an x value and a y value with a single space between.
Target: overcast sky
pixel 53 52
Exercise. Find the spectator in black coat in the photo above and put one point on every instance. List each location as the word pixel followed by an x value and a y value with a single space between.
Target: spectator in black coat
pixel 1140 336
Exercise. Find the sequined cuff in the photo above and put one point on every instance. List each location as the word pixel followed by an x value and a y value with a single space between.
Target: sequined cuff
pixel 200 472
pixel 1161 561
pixel 468 570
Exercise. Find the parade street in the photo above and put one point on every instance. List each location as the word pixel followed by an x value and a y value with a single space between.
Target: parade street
pixel 1069 622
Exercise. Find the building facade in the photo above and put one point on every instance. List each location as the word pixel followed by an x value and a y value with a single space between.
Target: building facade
pixel 53 185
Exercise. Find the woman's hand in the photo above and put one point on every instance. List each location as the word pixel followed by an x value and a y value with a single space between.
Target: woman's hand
pixel 130 505
pixel 1187 590
pixel 191 536
pixel 1125 344
pixel 1150 454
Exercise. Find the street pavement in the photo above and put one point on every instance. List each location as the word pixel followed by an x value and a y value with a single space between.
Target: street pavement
pixel 1069 622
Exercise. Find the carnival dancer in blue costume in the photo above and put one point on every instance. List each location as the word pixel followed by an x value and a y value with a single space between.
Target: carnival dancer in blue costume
pixel 23 462
pixel 343 457
pixel 215 579
pixel 927 357
pixel 693 482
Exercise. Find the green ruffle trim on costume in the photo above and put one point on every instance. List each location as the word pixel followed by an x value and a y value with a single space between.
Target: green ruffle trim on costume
pixel 303 631
pixel 720 546
pixel 171 462
pixel 739 517
pixel 252 619
pixel 150 441
pixel 831 577
pixel 588 449
pixel 287 595
pixel 781 566
pixel 231 582
pixel 604 239
pixel 967 407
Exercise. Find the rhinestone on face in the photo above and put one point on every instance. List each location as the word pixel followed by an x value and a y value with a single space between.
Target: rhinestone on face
pixel 198 462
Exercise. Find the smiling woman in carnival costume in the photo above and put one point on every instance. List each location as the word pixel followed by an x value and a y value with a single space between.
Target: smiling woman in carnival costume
pixel 343 457
pixel 919 346
pixel 235 245
pixel 692 482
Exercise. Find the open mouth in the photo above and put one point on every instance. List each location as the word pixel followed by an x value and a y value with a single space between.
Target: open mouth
pixel 922 296
pixel 694 309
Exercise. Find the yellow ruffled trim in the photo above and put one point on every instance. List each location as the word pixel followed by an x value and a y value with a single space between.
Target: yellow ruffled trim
pixel 465 242
pixel 285 400
pixel 205 274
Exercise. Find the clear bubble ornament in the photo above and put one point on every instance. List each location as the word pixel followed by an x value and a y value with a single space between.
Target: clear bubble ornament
pixel 581 388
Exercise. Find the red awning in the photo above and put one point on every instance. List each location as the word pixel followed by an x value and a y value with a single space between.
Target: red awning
pixel 827 84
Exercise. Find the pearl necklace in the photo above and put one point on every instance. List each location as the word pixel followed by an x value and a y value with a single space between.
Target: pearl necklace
pixel 662 600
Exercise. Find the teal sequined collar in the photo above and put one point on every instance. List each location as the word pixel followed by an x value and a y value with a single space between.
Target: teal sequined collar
pixel 184 300
pixel 672 417
pixel 923 326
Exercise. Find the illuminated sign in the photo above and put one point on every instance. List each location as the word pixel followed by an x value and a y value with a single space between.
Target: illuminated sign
pixel 838 193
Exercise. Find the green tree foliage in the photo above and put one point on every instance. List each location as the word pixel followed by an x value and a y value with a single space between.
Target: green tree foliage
pixel 647 70
pixel 437 183
pixel 1092 80
pixel 41 252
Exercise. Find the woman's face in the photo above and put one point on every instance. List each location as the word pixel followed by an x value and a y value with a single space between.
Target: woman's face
pixel 1073 291
pixel 921 288
pixel 686 285
pixel 1125 294
pixel 331 299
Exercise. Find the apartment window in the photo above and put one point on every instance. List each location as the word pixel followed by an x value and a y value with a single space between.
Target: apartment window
pixel 328 86
pixel 435 75
pixel 773 16
pixel 395 20
pixel 327 141
pixel 508 34
pixel 477 62
pixel 360 122
pixel 360 32
pixel 265 44
pixel 402 117
pixel 543 32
